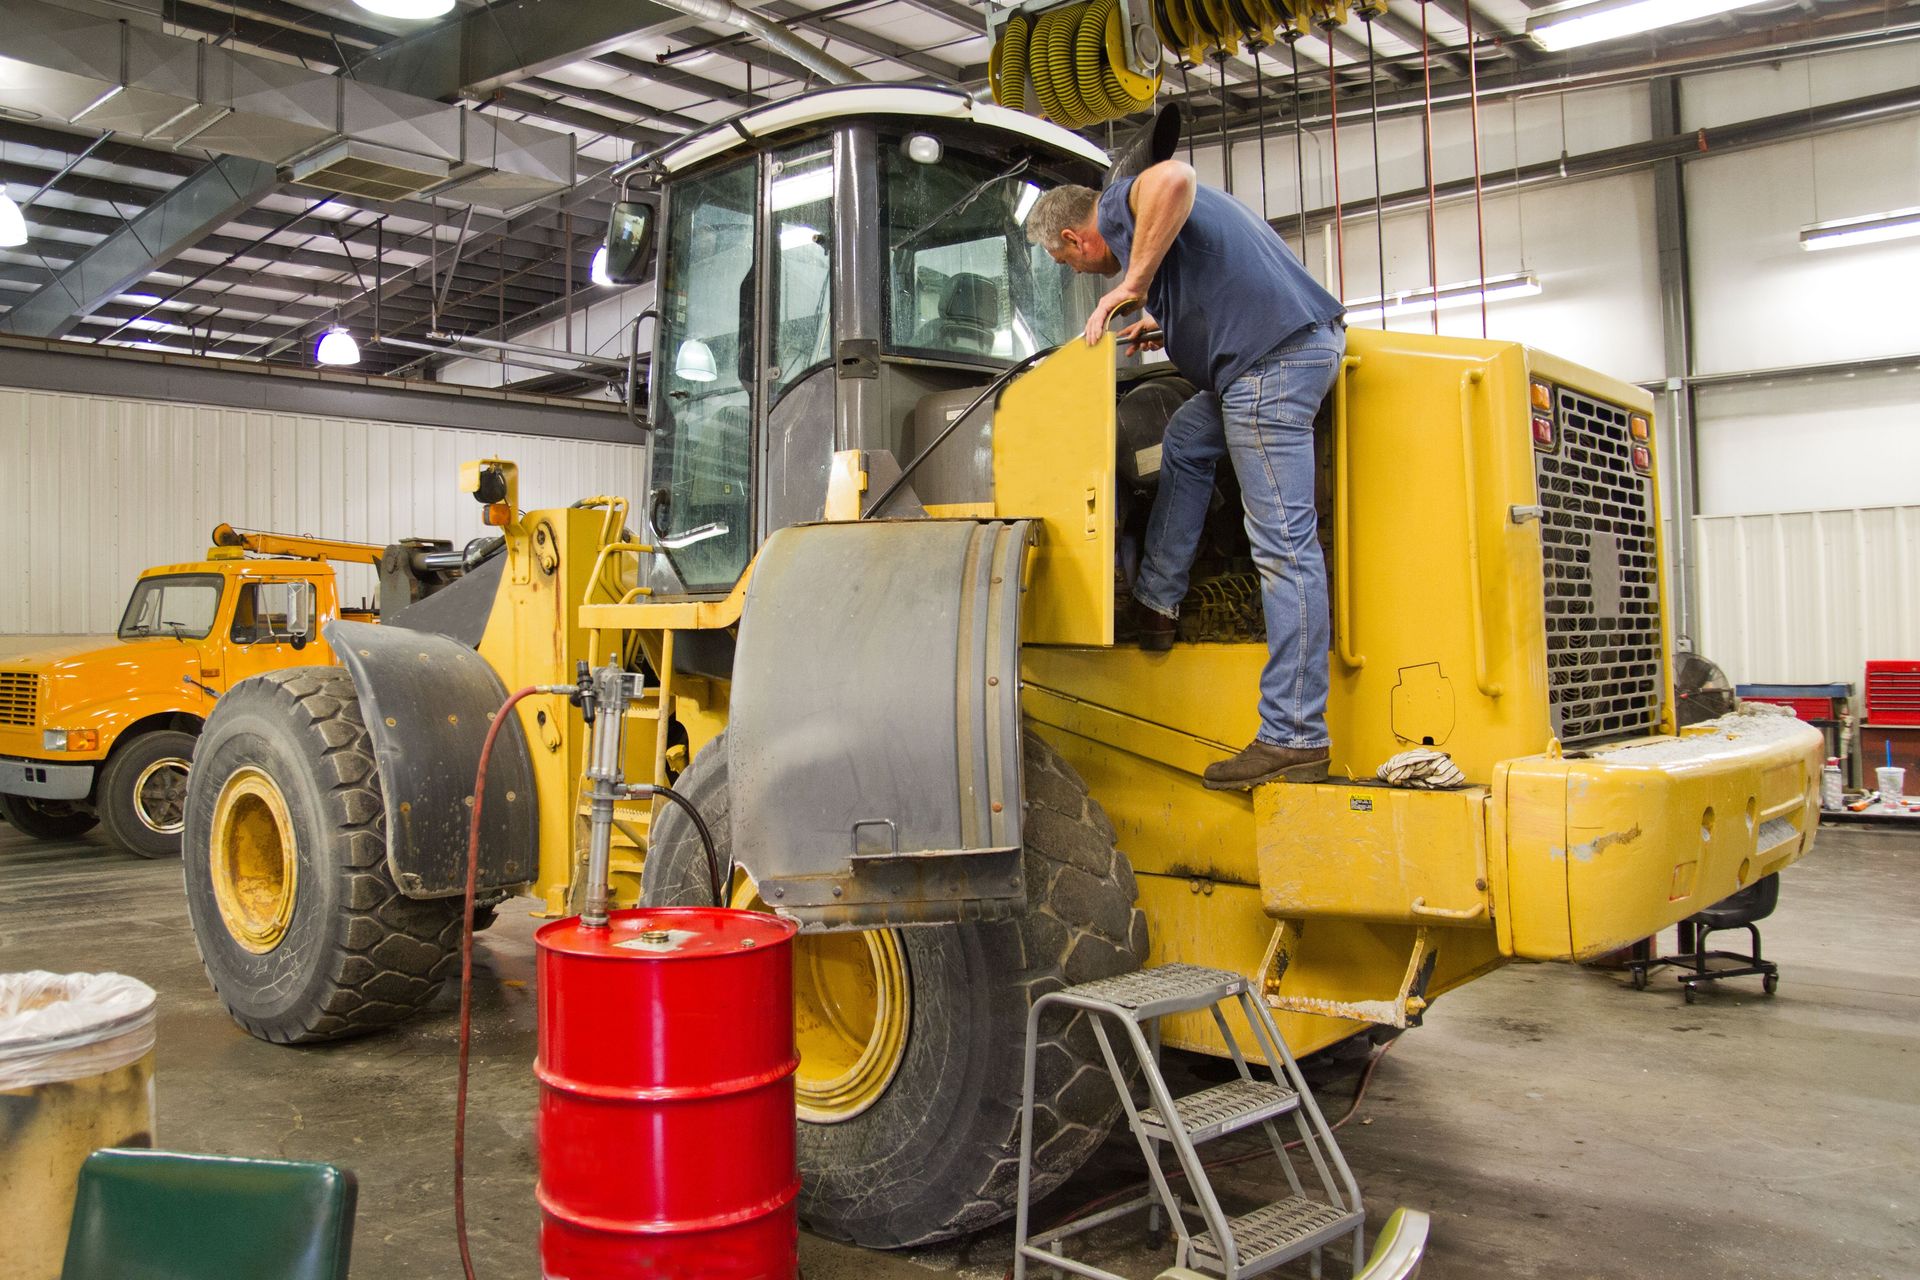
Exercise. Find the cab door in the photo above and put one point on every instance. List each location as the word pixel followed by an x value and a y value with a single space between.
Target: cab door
pixel 271 625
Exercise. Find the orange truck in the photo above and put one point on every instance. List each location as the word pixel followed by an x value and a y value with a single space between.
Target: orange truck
pixel 103 731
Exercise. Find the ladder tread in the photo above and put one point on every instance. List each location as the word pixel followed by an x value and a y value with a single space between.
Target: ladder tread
pixel 1273 1232
pixel 1222 1109
pixel 1190 985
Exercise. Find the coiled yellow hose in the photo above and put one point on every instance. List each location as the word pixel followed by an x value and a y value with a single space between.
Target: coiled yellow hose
pixel 1075 57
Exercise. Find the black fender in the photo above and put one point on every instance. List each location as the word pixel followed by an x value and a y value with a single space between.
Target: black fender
pixel 427 701
pixel 874 755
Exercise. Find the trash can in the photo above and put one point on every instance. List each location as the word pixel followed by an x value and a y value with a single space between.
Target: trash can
pixel 76 1074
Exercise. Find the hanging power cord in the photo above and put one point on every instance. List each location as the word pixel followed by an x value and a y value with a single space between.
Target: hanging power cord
pixel 1479 191
pixel 1379 195
pixel 1259 121
pixel 1299 141
pixel 1339 209
pixel 581 696
pixel 1225 1162
pixel 1433 242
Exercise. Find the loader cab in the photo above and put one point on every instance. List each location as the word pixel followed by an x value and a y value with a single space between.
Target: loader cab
pixel 831 274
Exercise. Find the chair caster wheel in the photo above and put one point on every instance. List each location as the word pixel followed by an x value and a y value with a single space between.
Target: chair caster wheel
pixel 1689 992
pixel 1770 983
pixel 1639 979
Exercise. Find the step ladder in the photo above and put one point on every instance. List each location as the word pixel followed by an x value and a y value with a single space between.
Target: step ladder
pixel 1301 1223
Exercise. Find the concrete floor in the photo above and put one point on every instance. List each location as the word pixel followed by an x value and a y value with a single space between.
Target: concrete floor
pixel 1554 1122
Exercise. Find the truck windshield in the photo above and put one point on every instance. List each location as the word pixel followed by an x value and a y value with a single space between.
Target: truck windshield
pixel 704 408
pixel 179 604
pixel 964 284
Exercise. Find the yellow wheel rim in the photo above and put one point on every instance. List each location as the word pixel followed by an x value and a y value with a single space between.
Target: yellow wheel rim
pixel 253 859
pixel 851 1008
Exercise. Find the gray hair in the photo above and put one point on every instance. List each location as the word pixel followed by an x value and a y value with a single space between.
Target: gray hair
pixel 1058 210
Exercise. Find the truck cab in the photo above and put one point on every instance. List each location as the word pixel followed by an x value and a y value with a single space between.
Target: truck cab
pixel 102 730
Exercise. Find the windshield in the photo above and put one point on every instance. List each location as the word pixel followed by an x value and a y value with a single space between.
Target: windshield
pixel 179 605
pixel 964 284
pixel 702 446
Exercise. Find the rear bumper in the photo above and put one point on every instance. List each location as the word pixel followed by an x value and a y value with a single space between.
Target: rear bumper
pixel 1594 851
pixel 44 781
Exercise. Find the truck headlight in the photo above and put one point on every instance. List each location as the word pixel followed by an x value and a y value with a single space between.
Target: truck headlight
pixel 70 740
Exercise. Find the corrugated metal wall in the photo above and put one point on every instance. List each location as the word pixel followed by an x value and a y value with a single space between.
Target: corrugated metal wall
pixel 95 488
pixel 1809 595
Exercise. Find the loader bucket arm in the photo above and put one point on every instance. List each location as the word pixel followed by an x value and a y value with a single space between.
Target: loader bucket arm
pixel 874 740
pixel 427 701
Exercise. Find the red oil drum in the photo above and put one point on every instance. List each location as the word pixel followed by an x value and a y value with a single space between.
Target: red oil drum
pixel 666 1125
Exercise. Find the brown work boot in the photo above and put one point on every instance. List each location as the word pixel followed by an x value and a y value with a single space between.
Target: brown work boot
pixel 1264 762
pixel 1152 630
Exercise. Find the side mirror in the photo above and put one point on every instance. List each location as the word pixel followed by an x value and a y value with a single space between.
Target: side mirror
pixel 629 241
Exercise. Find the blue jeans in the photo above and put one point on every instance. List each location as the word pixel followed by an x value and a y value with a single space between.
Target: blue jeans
pixel 1264 422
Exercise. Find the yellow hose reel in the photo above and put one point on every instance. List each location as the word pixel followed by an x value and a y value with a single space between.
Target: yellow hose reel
pixel 1077 63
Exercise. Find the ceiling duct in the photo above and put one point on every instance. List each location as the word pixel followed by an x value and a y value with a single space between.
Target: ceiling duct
pixel 104 73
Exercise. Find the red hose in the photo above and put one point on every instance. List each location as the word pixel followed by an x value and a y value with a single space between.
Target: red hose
pixel 466 980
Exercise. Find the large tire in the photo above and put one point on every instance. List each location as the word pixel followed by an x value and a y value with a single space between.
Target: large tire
pixel 301 929
pixel 937 1153
pixel 143 791
pixel 45 819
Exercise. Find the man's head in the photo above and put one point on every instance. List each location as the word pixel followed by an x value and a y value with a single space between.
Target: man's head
pixel 1064 223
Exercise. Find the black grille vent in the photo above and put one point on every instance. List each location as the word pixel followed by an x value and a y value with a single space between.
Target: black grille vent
pixel 1604 658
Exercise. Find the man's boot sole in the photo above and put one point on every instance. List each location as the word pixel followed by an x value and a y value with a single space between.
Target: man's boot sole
pixel 1150 643
pixel 1310 771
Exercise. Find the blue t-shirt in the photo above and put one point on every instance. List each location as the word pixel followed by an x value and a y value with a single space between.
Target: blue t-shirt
pixel 1229 290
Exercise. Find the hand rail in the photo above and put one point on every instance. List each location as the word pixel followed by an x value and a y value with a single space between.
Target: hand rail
pixel 1468 381
pixel 1419 907
pixel 1343 524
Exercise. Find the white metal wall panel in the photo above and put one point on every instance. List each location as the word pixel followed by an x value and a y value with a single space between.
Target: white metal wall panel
pixel 1809 596
pixel 94 489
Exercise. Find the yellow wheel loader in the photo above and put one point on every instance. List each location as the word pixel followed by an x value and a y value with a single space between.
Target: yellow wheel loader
pixel 871 596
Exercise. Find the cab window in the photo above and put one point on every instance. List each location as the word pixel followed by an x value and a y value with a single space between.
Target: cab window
pixel 273 613
pixel 180 605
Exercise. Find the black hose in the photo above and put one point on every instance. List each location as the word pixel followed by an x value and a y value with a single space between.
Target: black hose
pixel 714 878
pixel 952 423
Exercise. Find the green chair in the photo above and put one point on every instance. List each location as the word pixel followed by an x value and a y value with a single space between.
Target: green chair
pixel 160 1215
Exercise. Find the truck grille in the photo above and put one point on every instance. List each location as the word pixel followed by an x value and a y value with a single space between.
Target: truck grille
pixel 1605 661
pixel 19 697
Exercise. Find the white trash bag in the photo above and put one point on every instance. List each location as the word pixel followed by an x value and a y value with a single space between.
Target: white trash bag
pixel 68 1026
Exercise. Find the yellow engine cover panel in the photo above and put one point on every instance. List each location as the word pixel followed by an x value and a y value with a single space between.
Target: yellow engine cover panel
pixel 1606 848
pixel 1372 853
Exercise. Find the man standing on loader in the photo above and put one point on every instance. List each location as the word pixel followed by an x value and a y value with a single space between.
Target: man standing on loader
pixel 1241 318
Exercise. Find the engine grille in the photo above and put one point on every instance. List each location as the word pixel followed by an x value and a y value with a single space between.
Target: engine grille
pixel 1605 660
pixel 19 697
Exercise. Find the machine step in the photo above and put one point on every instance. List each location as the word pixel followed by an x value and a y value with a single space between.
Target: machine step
pixel 1274 1233
pixel 1150 993
pixel 1221 1110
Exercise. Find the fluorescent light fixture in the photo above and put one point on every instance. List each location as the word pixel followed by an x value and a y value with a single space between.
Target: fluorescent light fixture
pixel 407 9
pixel 141 299
pixel 1875 229
pixel 336 346
pixel 1585 24
pixel 798 236
pixel 1029 196
pixel 1446 298
pixel 597 270
pixel 809 187
pixel 13 223
pixel 694 362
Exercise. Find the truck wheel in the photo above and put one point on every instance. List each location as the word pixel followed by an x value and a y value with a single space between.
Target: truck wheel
pixel 301 929
pixel 143 793
pixel 45 819
pixel 911 1040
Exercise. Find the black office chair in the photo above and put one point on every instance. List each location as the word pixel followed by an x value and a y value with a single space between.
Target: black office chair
pixel 1743 910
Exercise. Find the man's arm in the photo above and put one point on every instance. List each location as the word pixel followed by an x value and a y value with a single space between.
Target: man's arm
pixel 1161 199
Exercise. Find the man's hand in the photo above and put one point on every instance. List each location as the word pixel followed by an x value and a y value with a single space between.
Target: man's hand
pixel 1143 335
pixel 1116 302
